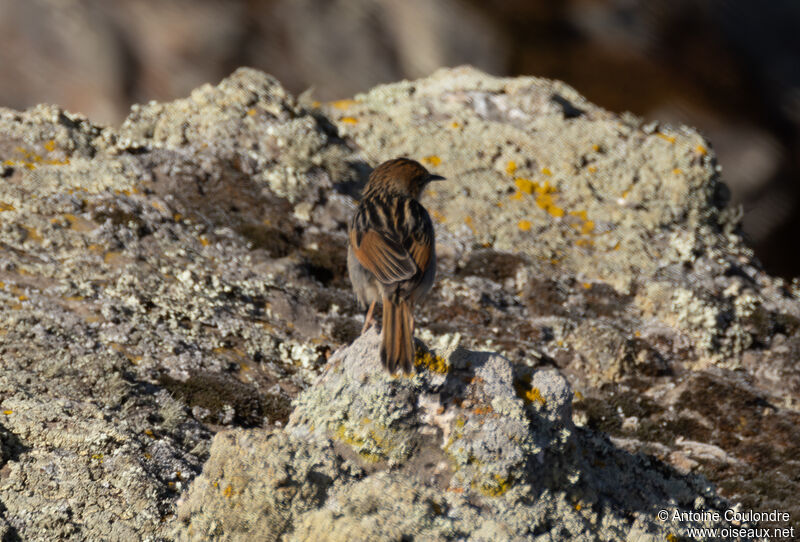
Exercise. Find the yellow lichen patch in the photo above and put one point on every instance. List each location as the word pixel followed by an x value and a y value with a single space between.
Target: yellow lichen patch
pixel 149 433
pixel 580 214
pixel 50 146
pixel 546 171
pixel 578 507
pixel 432 362
pixel 677 171
pixel 584 243
pixel 592 169
pixel 511 167
pixel 587 285
pixel 595 147
pixel 98 457
pixel 177 217
pixel 22 297
pixel 8 412
pixel 534 394
pixel 228 491
pixel 495 488
pixel 111 257
pixel 587 227
pixel 437 216
pixel 671 537
pixel 432 160
pixel 251 112
pixel 578 395
pixel 666 137
pixel 342 434
pixel 455 125
pixel 315 104
pixel 6 207
pixel 701 149
pixel 525 185
pixel 33 235
pixel 204 241
pixel 349 120
pixel 470 224
pixel 546 201
pixel 524 225
pixel 342 104
pixel 516 195
pixel 80 224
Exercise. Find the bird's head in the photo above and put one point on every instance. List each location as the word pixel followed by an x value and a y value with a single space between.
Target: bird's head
pixel 401 176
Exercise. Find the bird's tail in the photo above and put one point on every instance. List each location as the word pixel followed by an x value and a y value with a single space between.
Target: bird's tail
pixel 397 336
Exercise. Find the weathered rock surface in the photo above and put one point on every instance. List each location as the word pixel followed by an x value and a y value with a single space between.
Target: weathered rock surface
pixel 185 273
pixel 470 448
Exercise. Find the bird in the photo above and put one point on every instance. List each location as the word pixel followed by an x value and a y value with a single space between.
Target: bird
pixel 391 254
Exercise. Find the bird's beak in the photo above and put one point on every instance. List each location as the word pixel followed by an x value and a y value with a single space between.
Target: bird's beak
pixel 435 178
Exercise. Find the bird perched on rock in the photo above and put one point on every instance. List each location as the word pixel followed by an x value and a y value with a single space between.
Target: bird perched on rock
pixel 391 255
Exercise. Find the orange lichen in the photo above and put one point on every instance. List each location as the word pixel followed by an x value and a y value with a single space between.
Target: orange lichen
pixel 547 171
pixel 592 169
pixel 677 171
pixel 524 225
pixel 251 112
pixel 50 146
pixel 432 160
pixel 535 395
pixel 432 362
pixel 511 167
pixel 8 412
pixel 497 487
pixel 470 224
pixel 666 137
pixel 349 120
pixel 525 185
pixel 6 207
pixel 701 149
pixel 342 104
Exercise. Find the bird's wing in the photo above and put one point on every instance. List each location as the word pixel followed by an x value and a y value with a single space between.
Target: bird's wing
pixel 420 247
pixel 383 256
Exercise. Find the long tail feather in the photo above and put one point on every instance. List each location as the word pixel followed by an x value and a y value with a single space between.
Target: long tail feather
pixel 397 337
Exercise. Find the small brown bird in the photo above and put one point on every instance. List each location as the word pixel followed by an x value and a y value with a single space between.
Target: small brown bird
pixel 391 256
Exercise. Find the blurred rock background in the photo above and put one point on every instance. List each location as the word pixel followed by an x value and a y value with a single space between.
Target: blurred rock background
pixel 729 67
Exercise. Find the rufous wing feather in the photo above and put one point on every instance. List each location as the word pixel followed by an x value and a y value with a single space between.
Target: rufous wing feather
pixel 383 257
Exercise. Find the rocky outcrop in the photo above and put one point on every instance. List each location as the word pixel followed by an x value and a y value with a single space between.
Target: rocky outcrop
pixel 470 448
pixel 184 274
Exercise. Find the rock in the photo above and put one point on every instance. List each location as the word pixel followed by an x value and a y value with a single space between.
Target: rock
pixel 184 275
pixel 469 448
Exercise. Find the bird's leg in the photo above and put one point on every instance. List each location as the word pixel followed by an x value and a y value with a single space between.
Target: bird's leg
pixel 368 318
